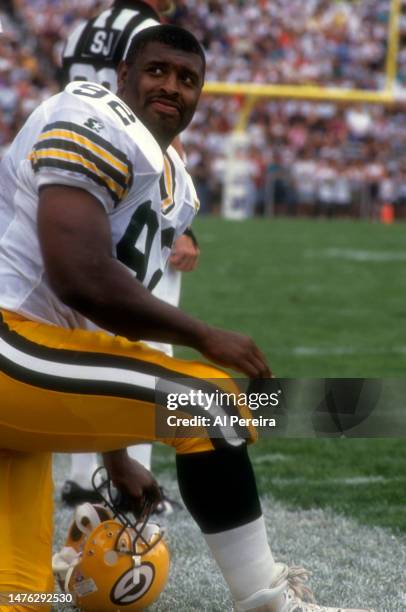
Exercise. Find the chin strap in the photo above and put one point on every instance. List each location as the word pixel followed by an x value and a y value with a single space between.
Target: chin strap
pixel 63 564
pixel 65 561
pixel 86 518
pixel 68 576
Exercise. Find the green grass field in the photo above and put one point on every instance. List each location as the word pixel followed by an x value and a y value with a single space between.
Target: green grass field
pixel 322 299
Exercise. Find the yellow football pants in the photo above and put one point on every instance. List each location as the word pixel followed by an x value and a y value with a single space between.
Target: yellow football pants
pixel 25 525
pixel 71 390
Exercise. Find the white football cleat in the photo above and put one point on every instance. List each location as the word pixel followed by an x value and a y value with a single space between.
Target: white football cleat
pixel 287 593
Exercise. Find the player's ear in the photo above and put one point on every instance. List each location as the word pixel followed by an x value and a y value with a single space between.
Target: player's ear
pixel 122 75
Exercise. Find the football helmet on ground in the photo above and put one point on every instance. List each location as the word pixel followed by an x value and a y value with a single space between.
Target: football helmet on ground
pixel 110 563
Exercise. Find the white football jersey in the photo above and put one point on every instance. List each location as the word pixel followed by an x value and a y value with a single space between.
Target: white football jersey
pixel 87 137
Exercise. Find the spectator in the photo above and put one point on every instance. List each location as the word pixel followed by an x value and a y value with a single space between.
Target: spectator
pixel 339 44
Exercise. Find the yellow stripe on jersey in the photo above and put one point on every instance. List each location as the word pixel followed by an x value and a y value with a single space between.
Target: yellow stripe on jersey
pixel 85 142
pixel 168 182
pixel 79 159
pixel 68 146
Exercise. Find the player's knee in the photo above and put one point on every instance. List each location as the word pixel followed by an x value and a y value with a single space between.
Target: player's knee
pixel 219 488
pixel 207 417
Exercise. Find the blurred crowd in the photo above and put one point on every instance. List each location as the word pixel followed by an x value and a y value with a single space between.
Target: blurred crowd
pixel 297 157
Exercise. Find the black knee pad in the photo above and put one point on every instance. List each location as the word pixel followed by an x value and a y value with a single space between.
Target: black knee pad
pixel 219 488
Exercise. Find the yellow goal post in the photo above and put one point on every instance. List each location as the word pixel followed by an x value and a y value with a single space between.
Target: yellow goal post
pixel 318 93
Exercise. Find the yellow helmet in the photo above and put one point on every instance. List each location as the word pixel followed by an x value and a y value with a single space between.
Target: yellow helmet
pixel 110 563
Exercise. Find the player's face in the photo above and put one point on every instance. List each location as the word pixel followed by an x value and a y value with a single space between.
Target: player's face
pixel 162 87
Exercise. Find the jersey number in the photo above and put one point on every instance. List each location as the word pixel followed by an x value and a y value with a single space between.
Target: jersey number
pixel 92 90
pixel 134 248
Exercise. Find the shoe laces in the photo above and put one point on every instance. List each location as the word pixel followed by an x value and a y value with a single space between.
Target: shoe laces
pixel 297 592
pixel 297 577
pixel 298 596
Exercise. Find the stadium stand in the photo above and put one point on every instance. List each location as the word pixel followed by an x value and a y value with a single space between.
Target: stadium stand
pixel 303 157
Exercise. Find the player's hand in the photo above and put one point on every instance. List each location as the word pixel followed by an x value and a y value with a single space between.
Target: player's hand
pixel 236 351
pixel 185 254
pixel 135 483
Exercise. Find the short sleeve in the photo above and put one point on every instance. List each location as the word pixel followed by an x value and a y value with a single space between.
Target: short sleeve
pixel 80 153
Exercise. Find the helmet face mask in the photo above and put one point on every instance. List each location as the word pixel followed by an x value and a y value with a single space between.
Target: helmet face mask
pixel 112 562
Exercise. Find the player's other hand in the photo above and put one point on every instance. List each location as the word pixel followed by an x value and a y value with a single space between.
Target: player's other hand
pixel 134 482
pixel 185 254
pixel 236 351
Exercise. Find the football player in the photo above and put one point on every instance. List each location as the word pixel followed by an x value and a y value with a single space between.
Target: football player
pixel 79 183
pixel 92 52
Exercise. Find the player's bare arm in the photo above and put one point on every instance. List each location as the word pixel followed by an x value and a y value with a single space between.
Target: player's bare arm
pixel 76 244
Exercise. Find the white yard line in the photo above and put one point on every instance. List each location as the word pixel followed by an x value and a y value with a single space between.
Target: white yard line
pixel 317 351
pixel 356 255
pixel 356 481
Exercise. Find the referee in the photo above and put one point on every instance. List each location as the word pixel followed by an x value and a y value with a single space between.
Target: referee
pixel 96 47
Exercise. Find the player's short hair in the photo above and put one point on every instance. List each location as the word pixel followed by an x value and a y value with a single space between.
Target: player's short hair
pixel 173 36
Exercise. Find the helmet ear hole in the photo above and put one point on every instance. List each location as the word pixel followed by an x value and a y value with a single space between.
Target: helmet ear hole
pixel 110 557
pixel 74 533
pixel 103 513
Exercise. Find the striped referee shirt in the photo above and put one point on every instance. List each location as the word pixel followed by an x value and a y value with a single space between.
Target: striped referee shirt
pixel 96 47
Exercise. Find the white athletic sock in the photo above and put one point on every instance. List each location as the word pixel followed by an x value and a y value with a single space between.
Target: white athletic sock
pixel 82 467
pixel 142 454
pixel 244 557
